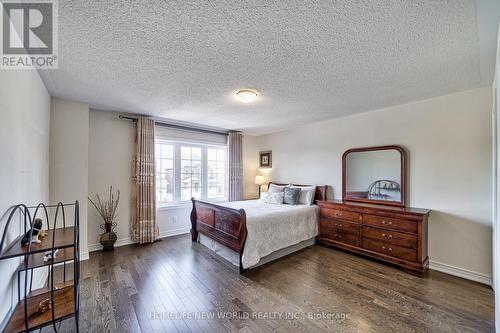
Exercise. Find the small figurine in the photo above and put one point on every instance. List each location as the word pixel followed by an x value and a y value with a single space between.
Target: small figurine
pixel 37 226
pixel 44 306
pixel 48 255
pixel 43 233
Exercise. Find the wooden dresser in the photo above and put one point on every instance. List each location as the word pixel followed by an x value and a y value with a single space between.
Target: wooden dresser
pixel 397 235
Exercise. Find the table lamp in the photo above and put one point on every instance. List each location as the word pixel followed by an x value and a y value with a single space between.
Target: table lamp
pixel 260 180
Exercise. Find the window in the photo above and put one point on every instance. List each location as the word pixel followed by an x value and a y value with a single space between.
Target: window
pixel 164 173
pixel 190 173
pixel 216 161
pixel 185 170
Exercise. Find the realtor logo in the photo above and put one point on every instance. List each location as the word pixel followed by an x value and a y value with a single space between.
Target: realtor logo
pixel 29 34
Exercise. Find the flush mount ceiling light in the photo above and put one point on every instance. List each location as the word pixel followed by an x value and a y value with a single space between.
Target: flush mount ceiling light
pixel 246 95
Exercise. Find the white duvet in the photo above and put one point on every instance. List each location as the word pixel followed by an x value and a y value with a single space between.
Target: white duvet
pixel 274 227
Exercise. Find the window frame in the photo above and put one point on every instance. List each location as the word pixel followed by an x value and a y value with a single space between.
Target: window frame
pixel 177 144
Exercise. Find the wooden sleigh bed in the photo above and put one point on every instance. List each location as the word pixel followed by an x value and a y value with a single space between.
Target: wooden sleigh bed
pixel 228 226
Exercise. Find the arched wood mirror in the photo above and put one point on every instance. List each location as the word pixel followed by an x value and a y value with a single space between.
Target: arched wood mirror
pixel 374 175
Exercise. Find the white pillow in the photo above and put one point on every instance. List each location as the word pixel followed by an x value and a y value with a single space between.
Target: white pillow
pixel 306 196
pixel 272 198
pixel 273 188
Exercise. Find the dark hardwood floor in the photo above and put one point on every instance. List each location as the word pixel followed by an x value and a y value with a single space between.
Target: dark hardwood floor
pixel 142 288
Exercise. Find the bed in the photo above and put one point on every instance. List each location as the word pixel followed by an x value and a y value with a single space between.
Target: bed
pixel 251 233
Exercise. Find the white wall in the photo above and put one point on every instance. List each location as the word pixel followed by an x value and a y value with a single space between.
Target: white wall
pixel 69 140
pixel 24 151
pixel 111 148
pixel 449 143
pixel 496 185
pixel 110 163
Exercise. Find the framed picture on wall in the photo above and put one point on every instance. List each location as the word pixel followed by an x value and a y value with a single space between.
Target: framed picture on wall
pixel 266 159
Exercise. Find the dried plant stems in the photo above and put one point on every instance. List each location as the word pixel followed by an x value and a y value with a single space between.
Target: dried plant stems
pixel 107 208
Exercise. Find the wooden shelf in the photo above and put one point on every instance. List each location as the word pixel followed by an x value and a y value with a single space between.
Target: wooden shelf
pixel 46 290
pixel 65 237
pixel 36 260
pixel 64 307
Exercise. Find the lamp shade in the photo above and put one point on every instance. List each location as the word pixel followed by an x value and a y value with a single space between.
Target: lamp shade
pixel 246 95
pixel 260 180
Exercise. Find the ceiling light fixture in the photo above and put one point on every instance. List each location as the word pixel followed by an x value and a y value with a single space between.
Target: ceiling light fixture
pixel 246 95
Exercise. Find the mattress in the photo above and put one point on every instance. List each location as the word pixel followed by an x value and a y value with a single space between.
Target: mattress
pixel 271 228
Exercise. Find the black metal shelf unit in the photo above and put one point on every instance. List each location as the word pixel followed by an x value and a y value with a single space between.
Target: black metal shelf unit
pixel 60 298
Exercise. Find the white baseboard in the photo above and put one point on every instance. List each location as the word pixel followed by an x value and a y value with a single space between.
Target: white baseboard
pixel 84 256
pixel 460 272
pixel 128 241
pixel 175 232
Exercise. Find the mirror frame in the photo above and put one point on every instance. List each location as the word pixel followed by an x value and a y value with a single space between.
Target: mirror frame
pixel 346 197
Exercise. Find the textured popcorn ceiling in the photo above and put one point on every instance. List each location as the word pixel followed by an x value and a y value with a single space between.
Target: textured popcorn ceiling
pixel 310 60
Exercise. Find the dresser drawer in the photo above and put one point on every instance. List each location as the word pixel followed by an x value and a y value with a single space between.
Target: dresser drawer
pixel 390 249
pixel 344 226
pixel 340 214
pixel 339 231
pixel 391 223
pixel 390 236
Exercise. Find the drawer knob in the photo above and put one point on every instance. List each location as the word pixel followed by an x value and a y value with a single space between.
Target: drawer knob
pixel 384 222
pixel 390 249
pixel 340 225
pixel 390 236
pixel 339 214
pixel 383 247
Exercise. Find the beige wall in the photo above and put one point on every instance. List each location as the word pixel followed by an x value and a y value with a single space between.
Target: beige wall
pixel 69 140
pixel 448 140
pixel 24 171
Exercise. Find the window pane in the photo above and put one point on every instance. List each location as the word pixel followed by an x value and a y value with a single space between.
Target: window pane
pixel 211 166
pixel 157 150
pixel 185 194
pixel 186 166
pixel 164 172
pixel 220 191
pixel 169 165
pixel 211 154
pixel 164 166
pixel 196 153
pixel 212 191
pixel 196 191
pixel 196 166
pixel 186 152
pixel 185 180
pixel 221 154
pixel 167 151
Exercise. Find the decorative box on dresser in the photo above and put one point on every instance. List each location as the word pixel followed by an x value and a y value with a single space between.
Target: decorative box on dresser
pixel 397 235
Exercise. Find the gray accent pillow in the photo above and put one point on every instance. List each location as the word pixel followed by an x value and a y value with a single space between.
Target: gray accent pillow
pixel 291 196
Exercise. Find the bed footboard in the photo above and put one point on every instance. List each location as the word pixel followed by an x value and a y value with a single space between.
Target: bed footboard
pixel 222 224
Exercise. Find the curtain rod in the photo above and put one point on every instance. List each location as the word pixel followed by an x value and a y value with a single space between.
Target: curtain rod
pixel 186 128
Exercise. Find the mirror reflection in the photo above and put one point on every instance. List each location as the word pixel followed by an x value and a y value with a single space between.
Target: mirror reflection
pixel 374 175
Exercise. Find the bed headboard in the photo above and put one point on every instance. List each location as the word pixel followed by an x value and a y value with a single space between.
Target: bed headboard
pixel 320 190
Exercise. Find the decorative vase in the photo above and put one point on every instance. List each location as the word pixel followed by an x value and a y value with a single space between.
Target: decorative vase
pixel 108 238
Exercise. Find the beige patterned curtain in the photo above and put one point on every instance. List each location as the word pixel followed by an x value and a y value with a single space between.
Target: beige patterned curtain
pixel 235 152
pixel 144 226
